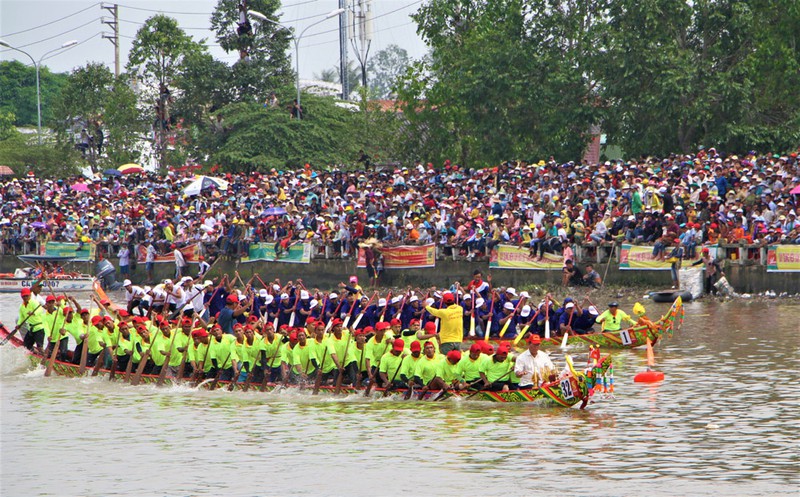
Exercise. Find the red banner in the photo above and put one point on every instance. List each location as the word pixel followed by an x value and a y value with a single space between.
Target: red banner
pixel 404 256
pixel 190 253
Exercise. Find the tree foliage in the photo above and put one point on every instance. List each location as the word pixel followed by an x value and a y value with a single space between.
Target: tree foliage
pixel 18 91
pixel 385 67
pixel 22 154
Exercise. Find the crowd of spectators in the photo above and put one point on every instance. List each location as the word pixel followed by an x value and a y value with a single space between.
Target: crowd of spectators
pixel 698 199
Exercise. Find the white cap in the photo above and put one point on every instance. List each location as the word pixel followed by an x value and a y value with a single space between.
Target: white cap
pixel 313 304
pixel 263 293
pixel 242 297
pixel 126 282
pixel 437 295
pixel 269 299
pixel 381 302
pixel 304 294
pixel 570 305
pixel 147 289
pixel 395 300
pixel 593 310
pixel 429 301
pixel 479 302
pixel 509 306
pixel 284 296
pixel 208 283
pixel 541 304
pixel 526 311
pixel 333 295
pixel 511 290
pixel 413 298
pixel 467 296
pixel 524 295
pixel 277 288
pixel 185 279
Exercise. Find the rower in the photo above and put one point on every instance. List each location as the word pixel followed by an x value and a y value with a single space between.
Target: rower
pixel 133 296
pixel 345 352
pixel 426 369
pixel 451 333
pixel 31 307
pixel 612 318
pixel 304 360
pixel 391 364
pixel 448 375
pixel 472 366
pixel 53 323
pixel 410 363
pixel 223 354
pixel 533 363
pixel 583 322
pixel 363 366
pixel 377 346
pixel 497 370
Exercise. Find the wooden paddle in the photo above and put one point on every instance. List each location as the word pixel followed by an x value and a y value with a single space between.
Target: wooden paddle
pixel 489 321
pixel 198 373
pixel 318 381
pixel 509 320
pixel 129 367
pixel 113 370
pixel 52 360
pixel 547 317
pixel 219 371
pixel 361 313
pixel 263 387
pixel 394 377
pixel 479 390
pixel 163 373
pixel 16 328
pixel 98 363
pixel 340 376
pixel 143 361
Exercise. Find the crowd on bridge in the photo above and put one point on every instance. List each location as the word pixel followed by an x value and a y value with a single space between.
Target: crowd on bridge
pixel 545 206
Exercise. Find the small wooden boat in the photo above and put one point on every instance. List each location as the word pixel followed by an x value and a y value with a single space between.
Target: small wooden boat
pixel 567 391
pixel 666 296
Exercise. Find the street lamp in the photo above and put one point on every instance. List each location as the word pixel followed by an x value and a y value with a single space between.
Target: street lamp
pixel 262 18
pixel 66 44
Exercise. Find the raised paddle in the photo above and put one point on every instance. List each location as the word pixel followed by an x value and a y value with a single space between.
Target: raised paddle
pixel 525 328
pixel 508 321
pixel 340 376
pixel 364 310
pixel 489 321
pixel 162 375
pixel 16 328
pixel 329 324
pixel 472 315
pixel 547 317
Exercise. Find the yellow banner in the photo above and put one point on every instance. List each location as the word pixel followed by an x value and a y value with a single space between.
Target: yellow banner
pixel 512 257
pixel 783 258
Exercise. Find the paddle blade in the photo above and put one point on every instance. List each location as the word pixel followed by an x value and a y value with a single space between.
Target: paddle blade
pixel 564 340
pixel 521 334
pixel 472 326
pixel 651 360
pixel 486 331
pixel 358 320
pixel 505 328
pixel 291 320
pixel 547 329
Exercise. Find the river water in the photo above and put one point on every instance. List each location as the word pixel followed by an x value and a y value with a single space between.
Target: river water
pixel 724 422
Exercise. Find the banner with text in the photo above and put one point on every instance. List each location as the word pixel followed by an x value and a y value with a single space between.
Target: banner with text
pixel 783 258
pixel 297 254
pixel 190 254
pixel 67 249
pixel 513 257
pixel 404 256
pixel 641 257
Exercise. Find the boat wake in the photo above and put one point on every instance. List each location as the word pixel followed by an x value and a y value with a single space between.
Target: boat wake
pixel 14 361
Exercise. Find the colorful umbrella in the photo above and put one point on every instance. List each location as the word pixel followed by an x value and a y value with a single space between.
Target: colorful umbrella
pixel 130 168
pixel 80 187
pixel 6 171
pixel 38 225
pixel 201 183
pixel 795 190
pixel 112 172
pixel 274 211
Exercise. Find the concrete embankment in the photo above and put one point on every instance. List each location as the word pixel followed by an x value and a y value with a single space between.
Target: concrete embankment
pixel 323 273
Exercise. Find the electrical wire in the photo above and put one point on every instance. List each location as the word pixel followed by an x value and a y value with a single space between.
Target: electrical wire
pixel 56 35
pixel 51 22
pixel 375 32
pixel 375 17
pixel 73 46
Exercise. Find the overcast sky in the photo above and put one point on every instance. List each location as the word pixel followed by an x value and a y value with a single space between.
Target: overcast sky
pixel 319 47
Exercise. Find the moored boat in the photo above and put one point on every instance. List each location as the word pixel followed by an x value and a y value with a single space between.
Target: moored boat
pixel 59 282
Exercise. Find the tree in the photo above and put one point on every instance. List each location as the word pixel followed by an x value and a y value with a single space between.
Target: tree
pixel 158 52
pixel 331 75
pixel 18 91
pixel 385 67
pixel 22 153
pixel 264 63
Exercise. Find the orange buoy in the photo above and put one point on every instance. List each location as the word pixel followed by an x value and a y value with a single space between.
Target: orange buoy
pixel 648 377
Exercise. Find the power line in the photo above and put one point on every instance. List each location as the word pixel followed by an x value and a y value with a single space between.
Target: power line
pixel 52 22
pixel 73 46
pixel 56 35
pixel 165 11
pixel 374 17
pixel 184 28
pixel 337 39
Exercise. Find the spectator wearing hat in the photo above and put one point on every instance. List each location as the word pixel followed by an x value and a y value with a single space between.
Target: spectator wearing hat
pixel 675 259
pixel 712 270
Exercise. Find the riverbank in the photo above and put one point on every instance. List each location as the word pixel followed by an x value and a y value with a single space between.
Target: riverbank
pixel 328 273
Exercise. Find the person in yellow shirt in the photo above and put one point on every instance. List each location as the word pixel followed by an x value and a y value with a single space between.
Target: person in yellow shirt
pixel 612 318
pixel 451 333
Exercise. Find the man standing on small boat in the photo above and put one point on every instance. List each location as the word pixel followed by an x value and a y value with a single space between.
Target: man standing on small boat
pixel 532 364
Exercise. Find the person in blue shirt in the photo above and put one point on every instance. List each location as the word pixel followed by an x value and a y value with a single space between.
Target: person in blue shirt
pixel 584 320
pixel 232 310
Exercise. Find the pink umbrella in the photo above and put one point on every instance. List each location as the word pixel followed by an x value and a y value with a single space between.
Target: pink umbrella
pixel 80 187
pixel 795 190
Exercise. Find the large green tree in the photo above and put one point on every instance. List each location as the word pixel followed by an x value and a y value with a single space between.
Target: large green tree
pixel 385 67
pixel 18 91
pixel 264 65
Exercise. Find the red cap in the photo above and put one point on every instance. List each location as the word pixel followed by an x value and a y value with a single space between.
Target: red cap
pixel 67 310
pixel 383 325
pixel 123 313
pixel 430 327
pixel 476 347
pixel 84 311
pixel 252 318
pixel 503 349
pixel 448 298
pixel 186 322
pixel 50 298
pixel 24 292
pixel 232 299
pixel 398 344
pixel 414 321
pixel 293 336
pixel 199 333
pixel 367 330
pixel 534 338
pixel 336 321
pixel 237 326
pixel 705 250
pixel 108 319
pixel 97 319
pixel 454 355
pixel 415 346
pixel 394 322
pixel 310 320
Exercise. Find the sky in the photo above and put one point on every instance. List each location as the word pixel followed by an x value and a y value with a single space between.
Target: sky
pixel 65 20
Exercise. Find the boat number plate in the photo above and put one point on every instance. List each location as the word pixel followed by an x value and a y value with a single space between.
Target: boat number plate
pixel 566 389
pixel 625 336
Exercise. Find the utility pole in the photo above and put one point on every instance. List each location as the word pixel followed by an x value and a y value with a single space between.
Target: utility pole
pixel 343 51
pixel 114 24
pixel 361 35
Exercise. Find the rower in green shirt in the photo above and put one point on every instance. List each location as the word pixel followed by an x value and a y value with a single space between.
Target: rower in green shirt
pixel 304 359
pixel 497 371
pixel 30 313
pixel 391 365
